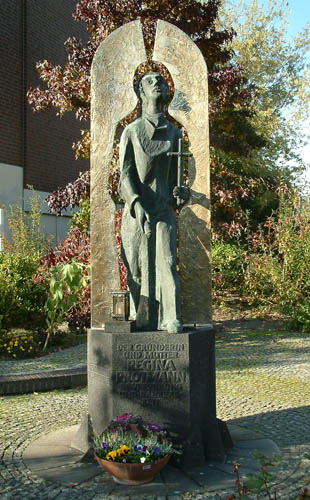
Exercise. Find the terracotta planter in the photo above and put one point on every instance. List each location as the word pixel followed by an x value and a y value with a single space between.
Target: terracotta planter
pixel 134 474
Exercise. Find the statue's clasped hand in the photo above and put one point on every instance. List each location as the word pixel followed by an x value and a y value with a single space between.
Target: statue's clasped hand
pixel 143 219
pixel 181 192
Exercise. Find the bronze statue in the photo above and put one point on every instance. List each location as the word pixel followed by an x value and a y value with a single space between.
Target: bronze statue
pixel 148 185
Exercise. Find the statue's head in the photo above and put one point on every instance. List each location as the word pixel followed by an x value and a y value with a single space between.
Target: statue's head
pixel 152 85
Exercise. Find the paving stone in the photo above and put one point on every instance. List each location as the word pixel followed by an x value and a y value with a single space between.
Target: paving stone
pixel 239 433
pixel 75 474
pixel 212 478
pixel 265 446
pixel 268 397
pixel 156 487
pixel 38 464
pixel 175 480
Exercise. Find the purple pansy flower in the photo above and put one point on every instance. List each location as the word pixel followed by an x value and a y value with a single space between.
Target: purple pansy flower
pixel 105 446
pixel 144 448
pixel 124 417
pixel 157 451
pixel 155 428
pixel 139 447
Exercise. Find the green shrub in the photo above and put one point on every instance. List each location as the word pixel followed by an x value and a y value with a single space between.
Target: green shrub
pixel 260 280
pixel 19 344
pixel 21 298
pixel 66 284
pixel 228 262
pixel 81 218
pixel 278 267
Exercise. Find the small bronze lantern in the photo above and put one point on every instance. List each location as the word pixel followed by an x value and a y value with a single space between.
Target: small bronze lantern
pixel 120 307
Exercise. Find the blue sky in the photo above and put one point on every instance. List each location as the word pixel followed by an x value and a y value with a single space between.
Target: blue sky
pixel 300 14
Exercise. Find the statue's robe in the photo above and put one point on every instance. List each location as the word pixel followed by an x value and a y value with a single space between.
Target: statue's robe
pixel 149 175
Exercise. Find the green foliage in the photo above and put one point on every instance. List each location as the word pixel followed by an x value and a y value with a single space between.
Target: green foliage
pixel 17 344
pixel 26 237
pixel 66 284
pixel 128 438
pixel 259 483
pixel 21 298
pixel 260 280
pixel 228 261
pixel 278 266
pixel 278 66
pixel 81 217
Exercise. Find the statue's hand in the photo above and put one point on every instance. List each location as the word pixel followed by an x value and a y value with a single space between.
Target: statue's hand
pixel 181 192
pixel 141 215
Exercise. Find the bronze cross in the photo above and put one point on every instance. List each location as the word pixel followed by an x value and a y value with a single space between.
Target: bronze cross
pixel 180 154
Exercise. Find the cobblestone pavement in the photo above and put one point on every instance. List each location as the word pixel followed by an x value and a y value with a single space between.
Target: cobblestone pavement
pixel 263 384
pixel 60 359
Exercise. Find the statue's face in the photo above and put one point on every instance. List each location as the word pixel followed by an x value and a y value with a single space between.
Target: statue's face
pixel 154 86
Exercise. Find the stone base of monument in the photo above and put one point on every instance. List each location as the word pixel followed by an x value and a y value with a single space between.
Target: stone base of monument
pixel 168 379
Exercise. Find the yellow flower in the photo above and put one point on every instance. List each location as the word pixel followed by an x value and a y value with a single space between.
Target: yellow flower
pixel 123 450
pixel 111 455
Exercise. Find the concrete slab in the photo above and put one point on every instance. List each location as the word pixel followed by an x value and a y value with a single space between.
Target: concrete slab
pixel 61 437
pixel 265 446
pixel 212 478
pixel 52 451
pixel 72 474
pixel 227 468
pixel 155 488
pixel 51 457
pixel 39 463
pixel 176 480
pixel 247 463
pixel 239 433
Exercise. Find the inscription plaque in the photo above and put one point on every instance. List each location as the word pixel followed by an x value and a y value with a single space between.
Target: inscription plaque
pixel 152 372
pixel 167 379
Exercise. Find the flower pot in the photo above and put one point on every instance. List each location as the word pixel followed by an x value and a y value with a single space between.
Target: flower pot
pixel 134 474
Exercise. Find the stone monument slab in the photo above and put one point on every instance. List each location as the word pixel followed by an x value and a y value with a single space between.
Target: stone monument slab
pixel 166 376
pixel 112 98
pixel 169 379
pixel 188 69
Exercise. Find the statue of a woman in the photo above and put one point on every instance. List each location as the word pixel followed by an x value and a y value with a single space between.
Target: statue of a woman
pixel 148 184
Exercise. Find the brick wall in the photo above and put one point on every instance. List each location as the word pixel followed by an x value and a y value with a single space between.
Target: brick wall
pixel 11 115
pixel 41 142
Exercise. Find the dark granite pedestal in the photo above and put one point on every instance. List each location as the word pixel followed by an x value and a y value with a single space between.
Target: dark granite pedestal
pixel 168 379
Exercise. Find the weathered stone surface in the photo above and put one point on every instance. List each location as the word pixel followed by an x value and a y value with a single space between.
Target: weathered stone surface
pixel 120 326
pixel 181 56
pixel 168 379
pixel 113 98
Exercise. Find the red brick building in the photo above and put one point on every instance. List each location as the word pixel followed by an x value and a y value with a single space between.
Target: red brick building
pixel 35 149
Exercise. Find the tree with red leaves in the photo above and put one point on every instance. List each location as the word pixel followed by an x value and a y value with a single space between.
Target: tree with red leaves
pixel 231 135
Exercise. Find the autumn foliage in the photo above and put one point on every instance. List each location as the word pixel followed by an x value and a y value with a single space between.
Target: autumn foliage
pixel 76 247
pixel 230 95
